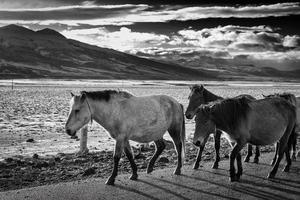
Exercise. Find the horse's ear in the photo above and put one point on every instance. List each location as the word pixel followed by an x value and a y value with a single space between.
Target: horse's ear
pixel 72 94
pixel 83 97
pixel 201 88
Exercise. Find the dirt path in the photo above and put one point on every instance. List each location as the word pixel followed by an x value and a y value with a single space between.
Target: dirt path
pixel 204 183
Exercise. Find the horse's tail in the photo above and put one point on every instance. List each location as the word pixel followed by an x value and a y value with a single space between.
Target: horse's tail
pixel 183 135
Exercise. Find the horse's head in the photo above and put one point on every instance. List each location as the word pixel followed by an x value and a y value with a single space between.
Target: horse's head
pixel 196 98
pixel 79 115
pixel 204 125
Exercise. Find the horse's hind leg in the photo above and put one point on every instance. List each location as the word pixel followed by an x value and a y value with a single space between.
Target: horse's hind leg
pixel 199 154
pixel 160 146
pixel 288 160
pixel 249 153
pixel 128 153
pixel 175 135
pixel 282 147
pixel 257 154
pixel 276 153
pixel 294 142
pixel 217 149
pixel 117 155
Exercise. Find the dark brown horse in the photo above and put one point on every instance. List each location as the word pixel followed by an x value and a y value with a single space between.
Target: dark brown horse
pixel 260 122
pixel 199 96
pixel 293 138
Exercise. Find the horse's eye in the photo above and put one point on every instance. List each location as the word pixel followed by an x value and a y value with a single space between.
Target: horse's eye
pixel 76 111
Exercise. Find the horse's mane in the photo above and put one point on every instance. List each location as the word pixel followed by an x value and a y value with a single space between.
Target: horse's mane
pixel 229 112
pixel 106 94
pixel 287 96
pixel 208 96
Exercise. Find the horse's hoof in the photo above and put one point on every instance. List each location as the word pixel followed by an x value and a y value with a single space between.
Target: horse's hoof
pixel 293 157
pixel 110 181
pixel 134 177
pixel 149 170
pixel 196 166
pixel 271 176
pixel 247 159
pixel 215 166
pixel 234 178
pixel 177 172
pixel 83 152
pixel 256 160
pixel 286 169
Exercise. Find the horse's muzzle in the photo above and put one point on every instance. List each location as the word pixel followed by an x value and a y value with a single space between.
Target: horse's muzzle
pixel 189 115
pixel 69 132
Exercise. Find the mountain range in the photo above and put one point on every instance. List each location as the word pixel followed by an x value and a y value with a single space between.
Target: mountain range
pixel 46 53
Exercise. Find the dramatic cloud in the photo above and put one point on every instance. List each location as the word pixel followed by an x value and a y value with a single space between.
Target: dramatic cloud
pixel 259 42
pixel 123 40
pixel 93 14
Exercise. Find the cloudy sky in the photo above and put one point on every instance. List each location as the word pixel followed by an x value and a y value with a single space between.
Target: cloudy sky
pixel 254 30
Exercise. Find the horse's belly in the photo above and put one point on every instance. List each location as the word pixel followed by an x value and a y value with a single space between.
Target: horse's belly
pixel 266 127
pixel 147 135
pixel 265 136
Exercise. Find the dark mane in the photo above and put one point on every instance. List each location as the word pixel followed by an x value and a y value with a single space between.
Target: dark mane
pixel 287 96
pixel 228 113
pixel 208 96
pixel 106 95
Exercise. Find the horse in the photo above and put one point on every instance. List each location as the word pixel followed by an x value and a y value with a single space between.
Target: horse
pixel 198 96
pixel 128 117
pixel 259 122
pixel 293 138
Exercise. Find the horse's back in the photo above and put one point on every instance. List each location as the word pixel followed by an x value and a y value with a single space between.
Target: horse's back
pixel 269 118
pixel 247 96
pixel 148 117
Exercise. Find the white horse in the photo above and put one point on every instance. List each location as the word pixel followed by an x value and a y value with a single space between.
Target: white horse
pixel 127 117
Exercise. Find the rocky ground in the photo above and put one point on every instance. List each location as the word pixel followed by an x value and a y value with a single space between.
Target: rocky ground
pixel 21 172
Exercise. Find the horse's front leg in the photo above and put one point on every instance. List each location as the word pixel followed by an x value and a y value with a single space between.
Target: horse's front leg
pixel 160 146
pixel 83 141
pixel 217 149
pixel 257 154
pixel 249 153
pixel 117 155
pixel 235 153
pixel 199 155
pixel 129 155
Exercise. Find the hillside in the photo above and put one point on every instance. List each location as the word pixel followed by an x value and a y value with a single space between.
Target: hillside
pixel 48 54
pixel 25 53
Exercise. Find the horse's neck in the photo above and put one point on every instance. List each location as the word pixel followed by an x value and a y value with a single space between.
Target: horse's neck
pixel 210 96
pixel 103 113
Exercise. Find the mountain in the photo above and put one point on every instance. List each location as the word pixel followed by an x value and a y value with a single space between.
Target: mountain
pixel 239 67
pixel 25 53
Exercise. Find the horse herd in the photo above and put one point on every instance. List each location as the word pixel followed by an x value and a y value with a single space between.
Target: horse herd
pixel 243 119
